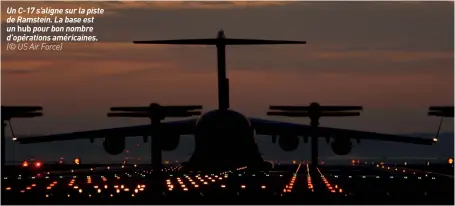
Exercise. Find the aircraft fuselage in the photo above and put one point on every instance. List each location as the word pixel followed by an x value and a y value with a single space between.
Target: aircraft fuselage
pixel 225 139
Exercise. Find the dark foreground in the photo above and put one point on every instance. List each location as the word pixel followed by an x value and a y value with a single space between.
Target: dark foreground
pixel 287 184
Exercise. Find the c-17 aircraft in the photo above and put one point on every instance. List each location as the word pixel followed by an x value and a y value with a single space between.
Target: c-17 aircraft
pixel 225 138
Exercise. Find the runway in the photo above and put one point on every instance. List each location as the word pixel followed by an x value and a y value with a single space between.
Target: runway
pixel 287 184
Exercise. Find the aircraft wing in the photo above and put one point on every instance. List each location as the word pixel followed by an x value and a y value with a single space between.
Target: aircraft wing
pixel 268 127
pixel 181 127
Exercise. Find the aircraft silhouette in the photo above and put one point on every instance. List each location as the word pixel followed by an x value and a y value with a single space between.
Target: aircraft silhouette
pixel 225 138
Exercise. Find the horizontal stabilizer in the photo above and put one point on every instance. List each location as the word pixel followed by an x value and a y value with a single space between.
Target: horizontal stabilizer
pixel 442 108
pixel 156 111
pixel 9 112
pixel 307 114
pixel 259 41
pixel 21 108
pixel 145 114
pixel 441 111
pixel 168 108
pixel 181 41
pixel 320 108
pixel 440 114
pixel 219 42
pixel 28 115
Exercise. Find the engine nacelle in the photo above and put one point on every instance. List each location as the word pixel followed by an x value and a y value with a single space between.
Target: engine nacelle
pixel 341 146
pixel 170 142
pixel 114 145
pixel 288 143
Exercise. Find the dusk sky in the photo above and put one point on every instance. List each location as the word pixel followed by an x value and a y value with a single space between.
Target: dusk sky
pixel 395 59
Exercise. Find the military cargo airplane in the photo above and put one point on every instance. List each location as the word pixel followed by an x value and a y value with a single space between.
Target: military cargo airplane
pixel 225 138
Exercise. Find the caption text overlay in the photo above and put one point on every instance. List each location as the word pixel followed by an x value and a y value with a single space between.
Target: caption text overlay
pixel 47 29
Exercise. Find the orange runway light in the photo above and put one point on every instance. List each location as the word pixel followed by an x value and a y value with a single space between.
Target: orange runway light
pixel 24 164
pixel 450 160
pixel 77 161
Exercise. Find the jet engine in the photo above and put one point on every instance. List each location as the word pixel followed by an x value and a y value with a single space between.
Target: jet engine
pixel 341 146
pixel 170 142
pixel 288 143
pixel 114 145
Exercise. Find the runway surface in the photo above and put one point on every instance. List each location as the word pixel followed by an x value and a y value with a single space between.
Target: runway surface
pixel 286 184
